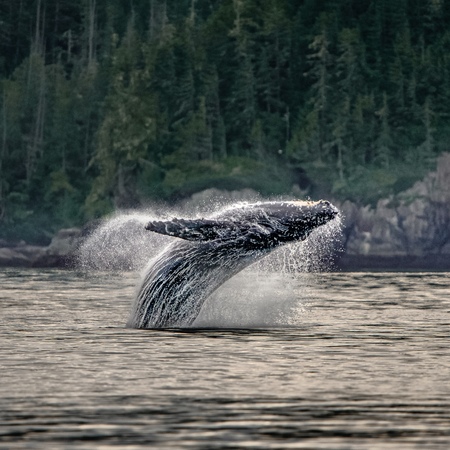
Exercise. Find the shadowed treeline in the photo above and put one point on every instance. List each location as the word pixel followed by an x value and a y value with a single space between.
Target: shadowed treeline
pixel 113 103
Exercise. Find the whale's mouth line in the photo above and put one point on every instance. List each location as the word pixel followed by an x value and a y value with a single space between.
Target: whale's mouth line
pixel 301 202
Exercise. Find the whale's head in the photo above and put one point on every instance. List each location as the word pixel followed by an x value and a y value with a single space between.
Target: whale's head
pixel 310 213
pixel 294 220
pixel 295 212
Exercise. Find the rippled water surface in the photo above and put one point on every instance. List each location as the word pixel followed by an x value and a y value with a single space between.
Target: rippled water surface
pixel 335 360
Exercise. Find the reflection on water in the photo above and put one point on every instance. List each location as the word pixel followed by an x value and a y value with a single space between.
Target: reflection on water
pixel 339 361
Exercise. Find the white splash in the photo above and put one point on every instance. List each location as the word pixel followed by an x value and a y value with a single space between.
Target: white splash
pixel 120 243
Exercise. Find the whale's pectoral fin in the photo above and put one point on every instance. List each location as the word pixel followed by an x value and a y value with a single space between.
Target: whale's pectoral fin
pixel 194 229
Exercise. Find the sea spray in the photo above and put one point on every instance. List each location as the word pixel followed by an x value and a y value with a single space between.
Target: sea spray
pixel 120 243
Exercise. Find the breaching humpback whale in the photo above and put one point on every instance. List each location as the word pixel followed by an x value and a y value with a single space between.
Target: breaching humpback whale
pixel 212 250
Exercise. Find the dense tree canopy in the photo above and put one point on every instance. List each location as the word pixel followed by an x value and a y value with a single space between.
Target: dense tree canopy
pixel 108 103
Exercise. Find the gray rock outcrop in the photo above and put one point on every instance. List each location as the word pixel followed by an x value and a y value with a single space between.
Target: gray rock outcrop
pixel 413 225
pixel 58 254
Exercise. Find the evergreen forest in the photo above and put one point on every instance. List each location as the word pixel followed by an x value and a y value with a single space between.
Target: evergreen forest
pixel 110 104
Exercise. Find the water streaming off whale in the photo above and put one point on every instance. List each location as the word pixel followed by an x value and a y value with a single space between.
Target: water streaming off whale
pixel 122 242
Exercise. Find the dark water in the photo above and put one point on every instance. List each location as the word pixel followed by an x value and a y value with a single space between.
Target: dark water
pixel 339 361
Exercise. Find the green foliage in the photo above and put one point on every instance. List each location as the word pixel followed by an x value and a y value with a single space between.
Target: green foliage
pixel 231 174
pixel 106 104
pixel 367 184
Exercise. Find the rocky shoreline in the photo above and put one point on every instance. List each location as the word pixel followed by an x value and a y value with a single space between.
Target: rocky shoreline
pixel 410 231
pixel 60 253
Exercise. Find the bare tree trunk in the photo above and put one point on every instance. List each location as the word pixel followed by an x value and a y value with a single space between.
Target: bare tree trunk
pixel 55 56
pixel 36 71
pixel 427 121
pixel 41 115
pixel 38 45
pixel 192 14
pixel 2 156
pixel 37 35
pixel 87 140
pixel 35 143
pixel 91 40
pixel 151 26
pixel 287 117
pixel 164 17
pixel 69 45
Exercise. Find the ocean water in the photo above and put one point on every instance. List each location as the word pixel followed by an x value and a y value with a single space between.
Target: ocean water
pixel 277 360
